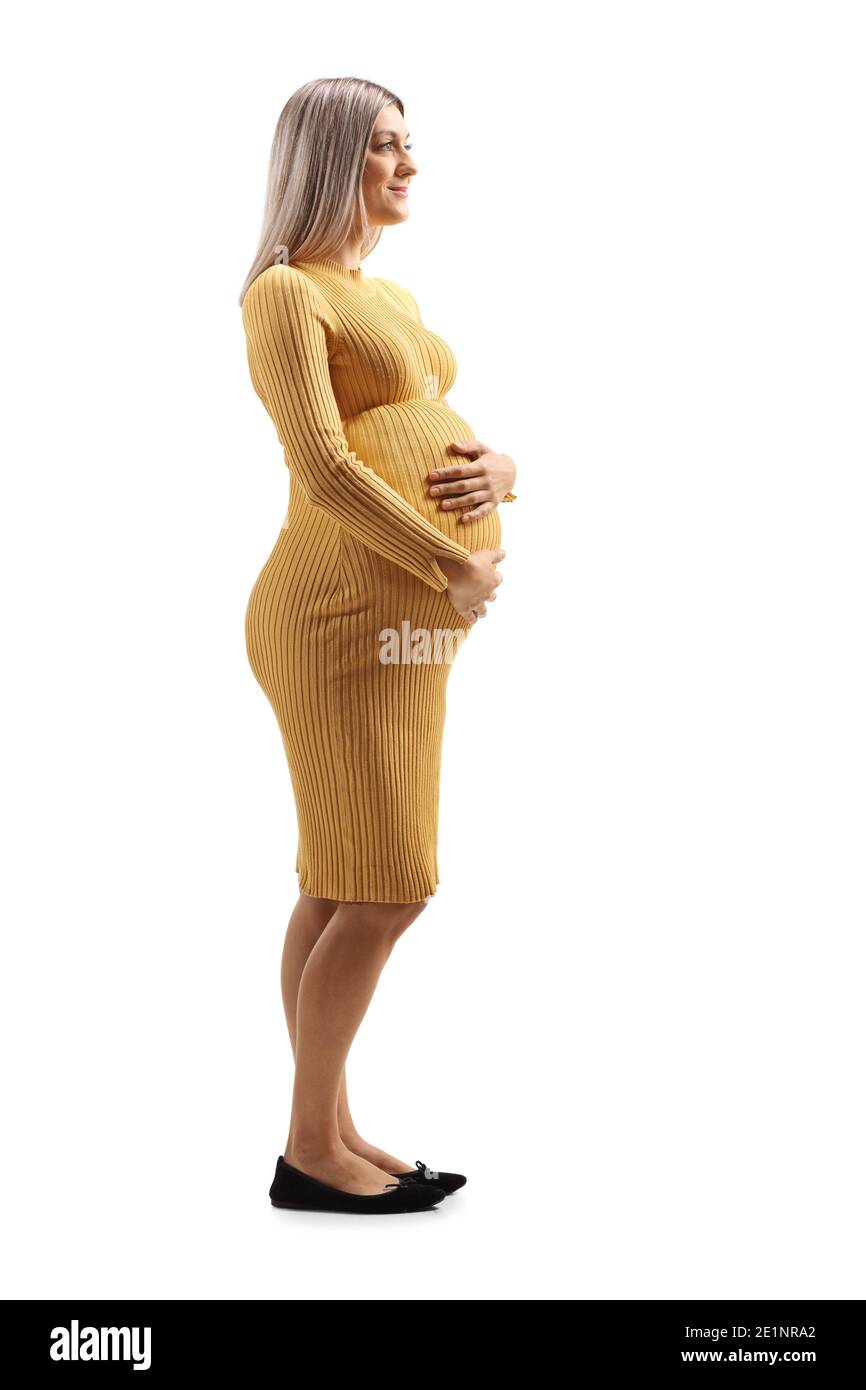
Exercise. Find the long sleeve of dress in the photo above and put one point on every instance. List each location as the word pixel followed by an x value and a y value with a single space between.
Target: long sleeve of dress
pixel 287 350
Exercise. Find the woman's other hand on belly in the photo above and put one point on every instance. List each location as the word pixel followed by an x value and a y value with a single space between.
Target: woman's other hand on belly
pixel 472 583
pixel 473 488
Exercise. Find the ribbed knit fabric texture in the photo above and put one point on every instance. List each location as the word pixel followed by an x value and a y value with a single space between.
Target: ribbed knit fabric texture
pixel 355 385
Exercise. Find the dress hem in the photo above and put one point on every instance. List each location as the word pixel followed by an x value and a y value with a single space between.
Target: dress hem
pixel 342 897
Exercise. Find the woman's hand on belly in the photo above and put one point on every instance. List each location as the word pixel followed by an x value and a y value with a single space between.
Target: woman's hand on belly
pixel 473 488
pixel 472 583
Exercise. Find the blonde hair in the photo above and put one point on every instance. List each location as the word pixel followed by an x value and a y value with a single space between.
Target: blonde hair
pixel 314 193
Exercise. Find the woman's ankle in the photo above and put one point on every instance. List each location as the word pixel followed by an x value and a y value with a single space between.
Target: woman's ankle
pixel 313 1148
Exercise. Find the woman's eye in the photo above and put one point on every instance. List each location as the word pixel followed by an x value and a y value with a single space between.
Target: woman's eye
pixel 390 142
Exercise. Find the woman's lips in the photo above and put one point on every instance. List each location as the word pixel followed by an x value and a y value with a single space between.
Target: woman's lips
pixel 401 192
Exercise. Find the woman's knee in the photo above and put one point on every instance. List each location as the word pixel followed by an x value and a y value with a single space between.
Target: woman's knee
pixel 389 920
pixel 409 912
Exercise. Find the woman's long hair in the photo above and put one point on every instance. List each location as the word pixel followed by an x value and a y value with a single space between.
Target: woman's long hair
pixel 315 199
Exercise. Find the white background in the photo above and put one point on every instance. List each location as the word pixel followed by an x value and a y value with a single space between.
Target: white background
pixel 632 1014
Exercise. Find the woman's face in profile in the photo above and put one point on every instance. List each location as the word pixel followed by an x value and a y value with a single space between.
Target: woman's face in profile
pixel 389 167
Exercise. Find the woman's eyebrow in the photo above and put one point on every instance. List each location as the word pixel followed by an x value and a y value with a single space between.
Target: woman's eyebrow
pixel 388 132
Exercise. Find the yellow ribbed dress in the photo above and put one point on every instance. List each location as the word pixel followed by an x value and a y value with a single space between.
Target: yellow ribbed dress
pixel 355 385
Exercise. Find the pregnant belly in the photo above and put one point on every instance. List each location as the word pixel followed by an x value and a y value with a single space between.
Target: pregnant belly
pixel 402 442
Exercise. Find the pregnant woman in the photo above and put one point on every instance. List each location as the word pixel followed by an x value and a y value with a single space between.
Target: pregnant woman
pixel 386 559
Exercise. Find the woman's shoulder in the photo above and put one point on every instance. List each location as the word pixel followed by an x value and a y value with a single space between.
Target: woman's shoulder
pixel 286 286
pixel 279 274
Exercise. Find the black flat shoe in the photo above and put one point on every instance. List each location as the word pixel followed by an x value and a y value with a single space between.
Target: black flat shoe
pixel 292 1188
pixel 424 1177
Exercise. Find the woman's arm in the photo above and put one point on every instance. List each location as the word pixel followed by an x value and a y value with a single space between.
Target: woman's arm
pixel 287 349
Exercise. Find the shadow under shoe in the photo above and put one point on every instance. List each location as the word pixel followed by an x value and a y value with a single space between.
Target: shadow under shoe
pixel 301 1192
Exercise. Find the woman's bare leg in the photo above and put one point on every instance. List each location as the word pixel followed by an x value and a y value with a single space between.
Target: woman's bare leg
pixel 331 971
pixel 306 924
